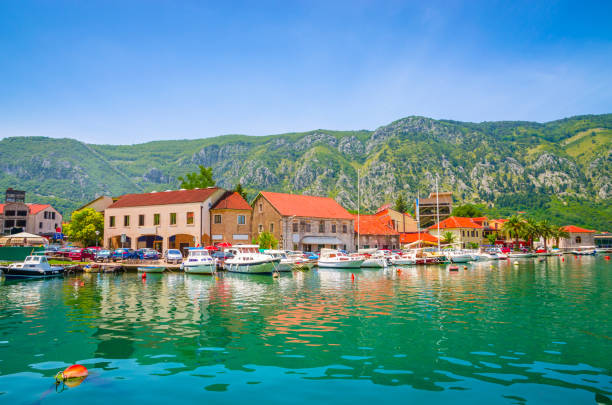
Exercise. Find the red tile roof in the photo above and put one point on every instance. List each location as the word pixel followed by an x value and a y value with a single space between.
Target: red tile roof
pixel 164 198
pixel 306 205
pixel 415 236
pixel 374 225
pixel 575 229
pixel 36 208
pixel 233 201
pixel 456 222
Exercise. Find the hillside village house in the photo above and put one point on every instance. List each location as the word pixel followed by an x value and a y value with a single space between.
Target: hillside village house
pixel 373 231
pixel 466 230
pixel 401 222
pixel 301 222
pixel 164 220
pixel 18 216
pixel 230 219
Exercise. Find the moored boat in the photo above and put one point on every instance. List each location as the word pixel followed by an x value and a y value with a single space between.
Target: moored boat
pixel 584 252
pixel 335 259
pixel 248 259
pixel 32 267
pixel 151 269
pixel 199 261
pixel 285 264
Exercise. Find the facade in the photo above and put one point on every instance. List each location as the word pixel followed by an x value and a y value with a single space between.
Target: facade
pixel 301 222
pixel 466 230
pixel 99 204
pixel 374 231
pixel 578 238
pixel 603 240
pixel 166 220
pixel 401 222
pixel 18 216
pixel 427 208
pixel 230 220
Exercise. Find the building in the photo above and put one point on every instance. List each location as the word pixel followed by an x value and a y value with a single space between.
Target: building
pixel 466 230
pixel 603 240
pixel 432 209
pixel 230 219
pixel 165 220
pixel 302 222
pixel 99 204
pixel 374 231
pixel 18 216
pixel 578 238
pixel 418 239
pixel 401 222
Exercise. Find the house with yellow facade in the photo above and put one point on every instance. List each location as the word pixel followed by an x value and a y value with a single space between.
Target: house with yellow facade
pixel 466 230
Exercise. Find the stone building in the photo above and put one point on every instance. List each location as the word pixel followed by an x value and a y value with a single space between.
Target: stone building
pixel 375 231
pixel 18 216
pixel 401 222
pixel 432 209
pixel 578 238
pixel 301 222
pixel 466 230
pixel 165 220
pixel 230 219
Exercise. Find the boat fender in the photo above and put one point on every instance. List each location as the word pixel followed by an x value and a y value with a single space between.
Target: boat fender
pixel 464 267
pixel 352 277
pixel 453 268
pixel 73 374
pixel 144 276
pixel 607 257
pixel 275 274
pixel 399 271
pixel 563 259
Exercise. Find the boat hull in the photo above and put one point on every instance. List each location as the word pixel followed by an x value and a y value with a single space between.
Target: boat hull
pixel 263 267
pixel 151 269
pixel 344 264
pixel 461 259
pixel 403 262
pixel 200 268
pixel 374 263
pixel 17 272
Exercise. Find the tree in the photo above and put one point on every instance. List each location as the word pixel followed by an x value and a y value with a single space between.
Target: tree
pixel 546 232
pixel 198 180
pixel 514 227
pixel 238 189
pixel 401 205
pixel 531 230
pixel 467 210
pixel 559 232
pixel 492 238
pixel 83 226
pixel 448 238
pixel 266 240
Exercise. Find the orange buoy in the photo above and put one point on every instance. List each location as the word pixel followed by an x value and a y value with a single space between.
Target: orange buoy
pixel 72 376
pixel 607 257
pixel 563 259
pixel 144 276
pixel 399 271
pixel 352 276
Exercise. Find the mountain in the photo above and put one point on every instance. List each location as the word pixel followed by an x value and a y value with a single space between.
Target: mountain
pixel 561 169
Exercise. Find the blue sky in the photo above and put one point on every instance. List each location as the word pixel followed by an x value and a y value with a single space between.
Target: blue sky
pixel 133 71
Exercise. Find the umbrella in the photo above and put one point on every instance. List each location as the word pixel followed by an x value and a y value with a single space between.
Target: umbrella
pixel 210 248
pixel 224 244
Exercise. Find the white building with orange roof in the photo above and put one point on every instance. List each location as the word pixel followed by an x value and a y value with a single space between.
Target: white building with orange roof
pixel 578 238
pixel 466 230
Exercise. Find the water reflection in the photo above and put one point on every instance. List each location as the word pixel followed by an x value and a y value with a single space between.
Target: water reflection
pixel 494 325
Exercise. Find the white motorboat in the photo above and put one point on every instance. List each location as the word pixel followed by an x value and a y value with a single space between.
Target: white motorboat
pixel 520 255
pixel 151 269
pixel 335 259
pixel 457 256
pixel 285 264
pixel 248 259
pixel 584 252
pixel 32 267
pixel 199 261
pixel 403 260
pixel 376 259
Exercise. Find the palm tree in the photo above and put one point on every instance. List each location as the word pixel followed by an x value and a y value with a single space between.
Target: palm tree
pixel 559 232
pixel 514 227
pixel 492 238
pixel 546 231
pixel 531 231
pixel 448 238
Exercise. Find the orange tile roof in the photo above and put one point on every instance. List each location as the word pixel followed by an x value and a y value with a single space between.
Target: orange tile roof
pixel 415 236
pixel 575 229
pixel 374 225
pixel 456 222
pixel 34 208
pixel 233 201
pixel 164 198
pixel 1 208
pixel 306 205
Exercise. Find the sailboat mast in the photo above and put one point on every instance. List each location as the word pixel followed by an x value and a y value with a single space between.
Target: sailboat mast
pixel 438 212
pixel 358 205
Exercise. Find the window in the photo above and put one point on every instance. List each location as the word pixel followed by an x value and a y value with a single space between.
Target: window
pixel 472 233
pixel 9 223
pixel 111 222
pixel 333 228
pixel 156 219
pixel 322 227
pixel 40 225
pixel 260 228
pixel 55 226
pixel 295 246
pixel 190 218
pixel 271 227
pixel 260 207
pixel 44 215
pixel 578 239
pixel 307 226
pixel 295 227
pixel 10 213
pixel 21 222
pixel 173 218
pixel 241 219
pixel 53 215
pixel 217 219
pixel 462 232
pixel 22 213
pixel 344 228
pixel 141 220
pixel 476 233
pixel 126 220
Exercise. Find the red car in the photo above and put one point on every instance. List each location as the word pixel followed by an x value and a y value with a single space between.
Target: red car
pixel 81 255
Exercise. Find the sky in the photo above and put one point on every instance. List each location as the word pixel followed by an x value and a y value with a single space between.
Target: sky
pixel 124 72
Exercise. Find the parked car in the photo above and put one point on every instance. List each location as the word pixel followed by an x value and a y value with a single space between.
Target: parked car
pixel 221 258
pixel 123 254
pixel 311 256
pixel 64 252
pixel 173 255
pixel 102 255
pixel 81 255
pixel 147 254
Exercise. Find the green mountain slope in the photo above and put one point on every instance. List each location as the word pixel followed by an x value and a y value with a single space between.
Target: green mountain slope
pixel 562 168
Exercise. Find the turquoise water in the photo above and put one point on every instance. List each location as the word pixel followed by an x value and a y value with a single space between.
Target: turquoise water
pixel 539 332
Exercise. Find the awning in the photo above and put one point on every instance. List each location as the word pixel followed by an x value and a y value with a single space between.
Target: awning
pixel 322 240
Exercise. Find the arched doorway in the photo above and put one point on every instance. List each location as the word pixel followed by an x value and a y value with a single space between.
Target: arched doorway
pixel 115 242
pixel 181 241
pixel 149 242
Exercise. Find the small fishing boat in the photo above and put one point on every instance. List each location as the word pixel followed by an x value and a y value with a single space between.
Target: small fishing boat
pixel 520 255
pixel 32 267
pixel 331 258
pixel 403 260
pixel 584 252
pixel 199 261
pixel 151 269
pixel 375 259
pixel 285 264
pixel 457 256
pixel 248 259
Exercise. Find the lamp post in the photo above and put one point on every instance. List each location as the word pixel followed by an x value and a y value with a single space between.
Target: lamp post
pixel 97 233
